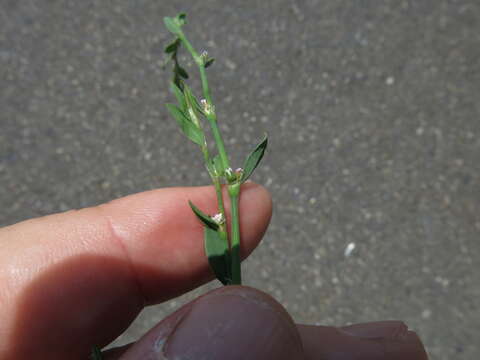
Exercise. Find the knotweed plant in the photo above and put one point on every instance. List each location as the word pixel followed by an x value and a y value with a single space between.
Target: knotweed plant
pixel 222 248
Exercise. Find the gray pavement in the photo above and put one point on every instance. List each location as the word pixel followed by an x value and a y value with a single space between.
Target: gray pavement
pixel 373 113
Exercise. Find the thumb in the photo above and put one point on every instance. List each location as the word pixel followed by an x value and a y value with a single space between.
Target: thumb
pixel 233 322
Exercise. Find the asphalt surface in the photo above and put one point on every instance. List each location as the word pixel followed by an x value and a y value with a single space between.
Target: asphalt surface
pixel 372 109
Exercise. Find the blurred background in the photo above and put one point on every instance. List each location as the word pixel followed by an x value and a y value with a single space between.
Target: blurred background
pixel 372 109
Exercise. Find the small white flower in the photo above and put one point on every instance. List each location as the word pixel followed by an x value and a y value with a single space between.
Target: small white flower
pixel 229 172
pixel 204 54
pixel 206 106
pixel 218 218
pixel 239 170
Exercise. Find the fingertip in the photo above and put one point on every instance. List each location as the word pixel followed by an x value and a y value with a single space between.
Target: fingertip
pixel 255 214
pixel 232 322
pixel 159 231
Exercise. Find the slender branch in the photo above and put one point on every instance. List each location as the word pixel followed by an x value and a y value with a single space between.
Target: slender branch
pixel 218 141
pixel 203 77
pixel 234 191
pixel 211 116
pixel 234 185
pixel 215 177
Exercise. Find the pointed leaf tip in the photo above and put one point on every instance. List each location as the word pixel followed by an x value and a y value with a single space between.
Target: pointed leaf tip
pixel 209 62
pixel 254 159
pixel 204 218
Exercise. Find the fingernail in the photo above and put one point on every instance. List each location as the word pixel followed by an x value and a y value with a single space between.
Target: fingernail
pixel 379 329
pixel 399 342
pixel 235 323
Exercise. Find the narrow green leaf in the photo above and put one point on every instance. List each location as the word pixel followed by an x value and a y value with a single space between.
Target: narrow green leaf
pixel 177 80
pixel 171 25
pixel 96 354
pixel 177 113
pixel 172 47
pixel 189 128
pixel 192 100
pixel 181 18
pixel 254 159
pixel 210 168
pixel 209 62
pixel 179 95
pixel 204 218
pixel 218 256
pixel 218 165
pixel 181 71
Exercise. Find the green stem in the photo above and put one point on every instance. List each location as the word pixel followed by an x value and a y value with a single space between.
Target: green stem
pixel 234 191
pixel 205 87
pixel 207 159
pixel 218 141
pixel 218 191
pixel 199 62
pixel 212 117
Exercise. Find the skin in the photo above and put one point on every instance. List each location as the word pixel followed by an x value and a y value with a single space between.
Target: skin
pixel 79 278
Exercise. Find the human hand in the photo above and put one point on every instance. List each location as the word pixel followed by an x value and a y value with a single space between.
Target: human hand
pixel 77 279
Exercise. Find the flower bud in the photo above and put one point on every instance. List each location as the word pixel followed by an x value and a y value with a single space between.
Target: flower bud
pixel 207 108
pixel 218 218
pixel 232 176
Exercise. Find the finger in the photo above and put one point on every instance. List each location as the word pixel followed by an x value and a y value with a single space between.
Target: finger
pixel 233 322
pixel 383 340
pixel 79 278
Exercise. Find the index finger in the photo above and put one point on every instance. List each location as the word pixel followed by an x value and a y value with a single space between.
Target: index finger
pixel 79 278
